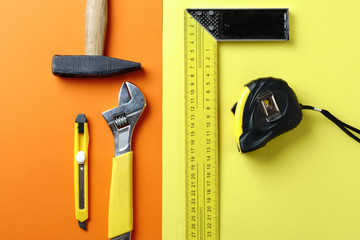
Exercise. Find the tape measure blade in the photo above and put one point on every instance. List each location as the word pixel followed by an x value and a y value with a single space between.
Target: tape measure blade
pixel 201 116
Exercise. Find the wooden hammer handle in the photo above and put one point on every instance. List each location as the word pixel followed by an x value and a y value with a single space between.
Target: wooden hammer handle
pixel 95 26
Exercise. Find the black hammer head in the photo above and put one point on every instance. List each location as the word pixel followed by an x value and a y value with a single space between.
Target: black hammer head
pixel 90 66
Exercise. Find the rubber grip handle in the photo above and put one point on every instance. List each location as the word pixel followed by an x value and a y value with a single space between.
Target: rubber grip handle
pixel 121 196
pixel 95 26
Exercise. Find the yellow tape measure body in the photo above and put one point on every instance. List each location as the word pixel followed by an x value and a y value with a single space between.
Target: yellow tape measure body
pixel 202 211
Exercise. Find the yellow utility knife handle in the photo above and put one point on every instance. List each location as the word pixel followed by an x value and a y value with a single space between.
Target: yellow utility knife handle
pixel 121 196
pixel 81 142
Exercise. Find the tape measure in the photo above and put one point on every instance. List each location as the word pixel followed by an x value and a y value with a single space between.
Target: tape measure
pixel 201 136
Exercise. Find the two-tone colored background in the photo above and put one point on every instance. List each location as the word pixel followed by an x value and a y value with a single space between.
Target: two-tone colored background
pixel 302 185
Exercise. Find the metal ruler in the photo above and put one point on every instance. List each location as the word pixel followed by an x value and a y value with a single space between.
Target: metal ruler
pixel 202 199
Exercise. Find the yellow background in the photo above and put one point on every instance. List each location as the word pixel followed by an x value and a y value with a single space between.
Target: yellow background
pixel 304 184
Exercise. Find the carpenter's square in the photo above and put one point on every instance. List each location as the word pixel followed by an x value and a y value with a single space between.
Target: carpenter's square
pixel 203 29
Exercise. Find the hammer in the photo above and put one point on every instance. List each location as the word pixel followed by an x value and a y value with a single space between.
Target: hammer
pixel 93 63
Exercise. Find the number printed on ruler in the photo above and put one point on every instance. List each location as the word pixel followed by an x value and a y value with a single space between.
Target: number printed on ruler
pixel 201 132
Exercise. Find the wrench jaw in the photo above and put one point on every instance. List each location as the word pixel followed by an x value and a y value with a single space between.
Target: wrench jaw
pixel 122 127
pixel 129 93
pixel 122 119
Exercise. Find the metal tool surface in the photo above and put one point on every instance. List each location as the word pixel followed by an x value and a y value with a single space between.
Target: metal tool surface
pixel 81 162
pixel 122 121
pixel 244 24
pixel 92 64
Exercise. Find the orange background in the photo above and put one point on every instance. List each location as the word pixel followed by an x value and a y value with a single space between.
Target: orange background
pixel 38 112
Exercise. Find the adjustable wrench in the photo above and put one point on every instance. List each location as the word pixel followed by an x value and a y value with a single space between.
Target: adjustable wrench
pixel 121 121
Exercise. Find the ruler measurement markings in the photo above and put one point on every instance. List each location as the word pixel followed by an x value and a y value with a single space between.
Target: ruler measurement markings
pixel 203 71
pixel 198 63
pixel 197 187
pixel 190 175
pixel 199 43
pixel 204 218
pixel 200 133
pixel 193 231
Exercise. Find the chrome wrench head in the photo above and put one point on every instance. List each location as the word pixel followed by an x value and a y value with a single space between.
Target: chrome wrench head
pixel 123 118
